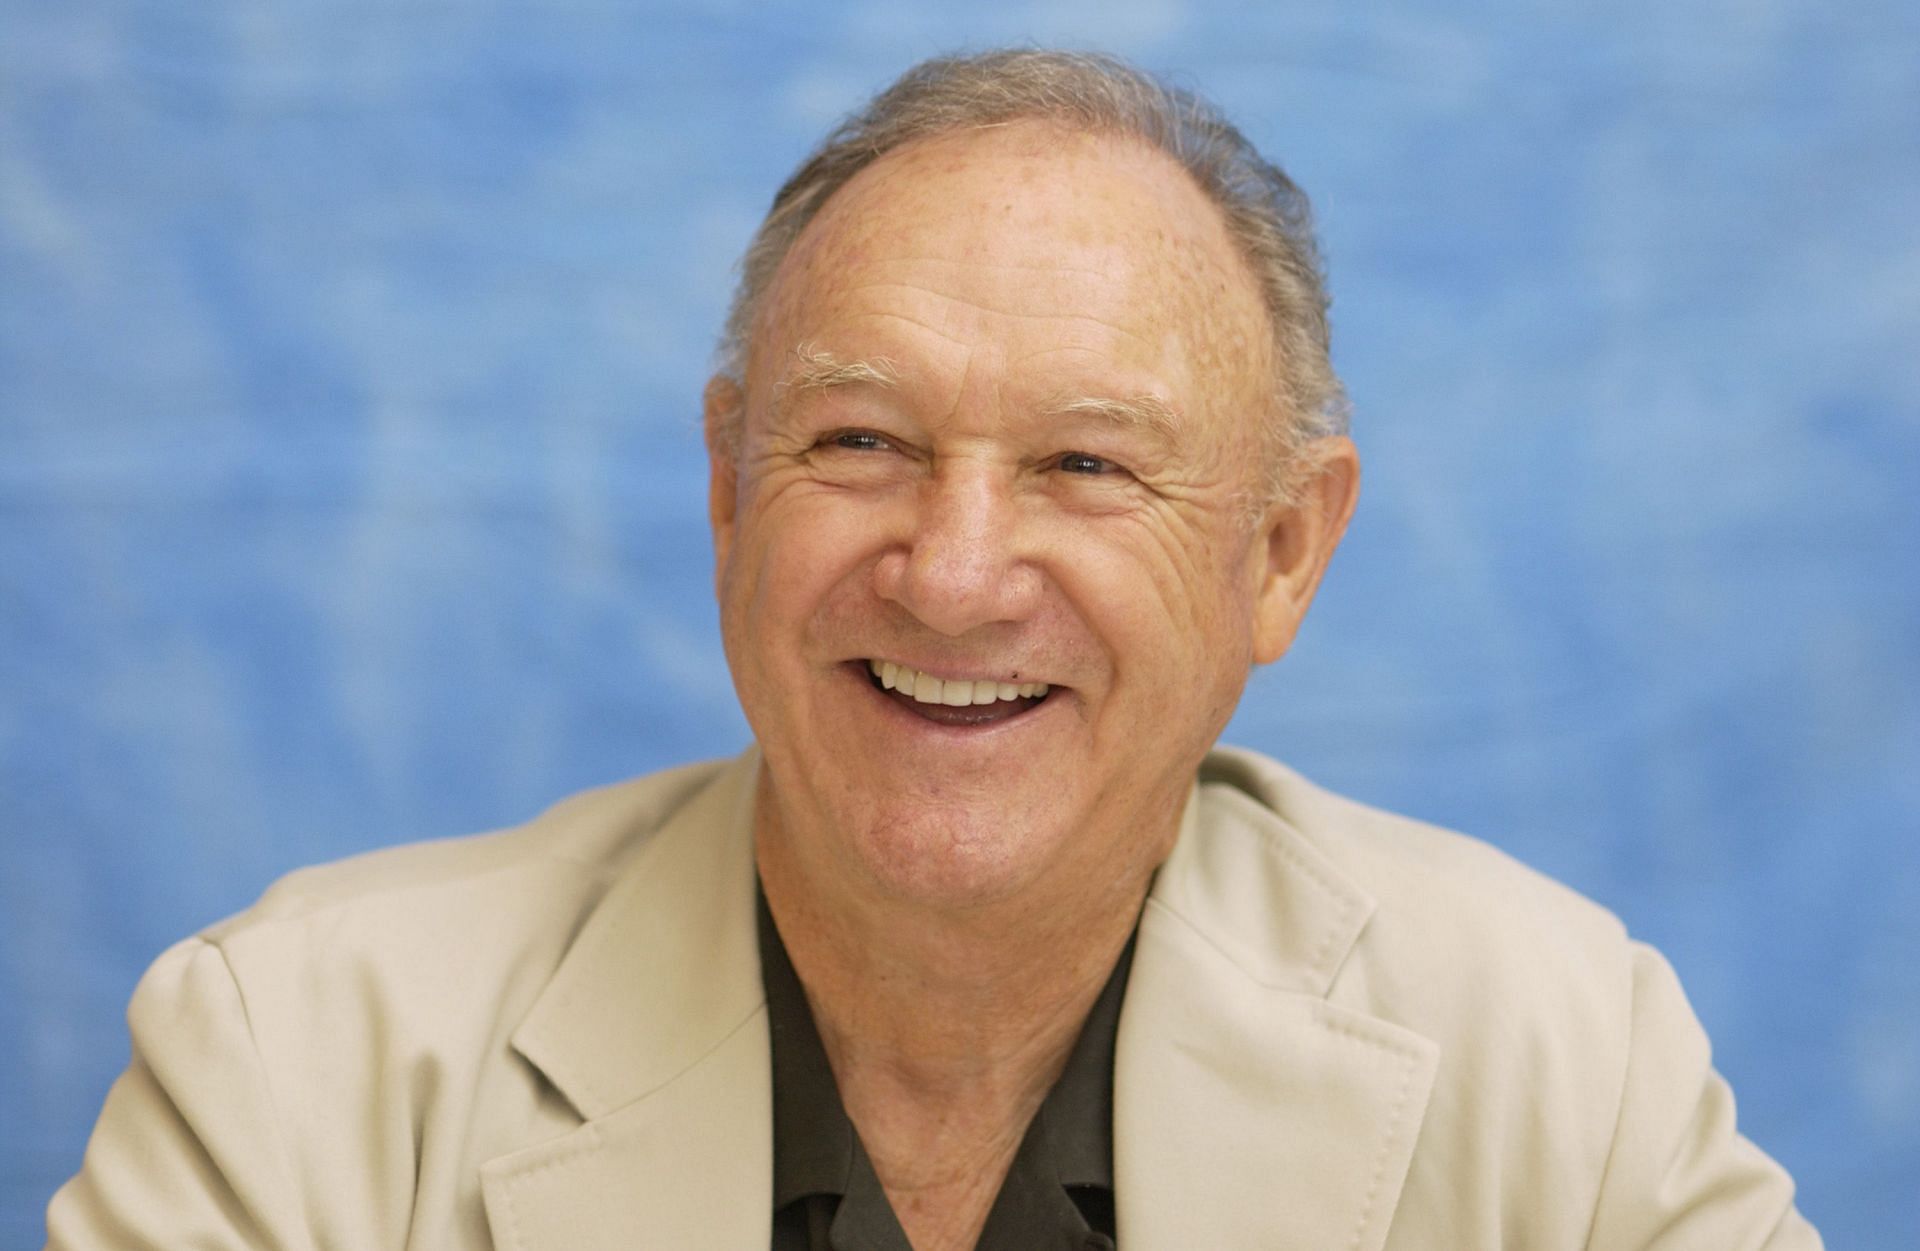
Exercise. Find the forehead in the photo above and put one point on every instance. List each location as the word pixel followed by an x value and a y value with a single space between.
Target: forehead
pixel 1027 246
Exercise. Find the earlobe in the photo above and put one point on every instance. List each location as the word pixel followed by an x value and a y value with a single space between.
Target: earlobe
pixel 723 405
pixel 1299 540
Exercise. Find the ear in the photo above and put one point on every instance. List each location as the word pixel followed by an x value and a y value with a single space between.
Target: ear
pixel 724 406
pixel 1299 539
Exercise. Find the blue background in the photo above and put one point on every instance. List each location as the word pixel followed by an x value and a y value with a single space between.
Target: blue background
pixel 350 489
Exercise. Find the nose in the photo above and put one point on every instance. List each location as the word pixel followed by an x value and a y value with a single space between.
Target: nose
pixel 963 563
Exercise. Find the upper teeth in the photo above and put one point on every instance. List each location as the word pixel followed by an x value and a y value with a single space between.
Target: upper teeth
pixel 954 692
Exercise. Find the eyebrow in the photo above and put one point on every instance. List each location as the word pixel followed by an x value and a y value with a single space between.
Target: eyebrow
pixel 1143 412
pixel 816 369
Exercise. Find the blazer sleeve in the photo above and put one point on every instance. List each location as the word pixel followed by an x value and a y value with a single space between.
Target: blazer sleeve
pixel 1679 1177
pixel 188 1151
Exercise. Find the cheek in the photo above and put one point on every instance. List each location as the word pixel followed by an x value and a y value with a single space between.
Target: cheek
pixel 1179 636
pixel 798 564
pixel 1186 585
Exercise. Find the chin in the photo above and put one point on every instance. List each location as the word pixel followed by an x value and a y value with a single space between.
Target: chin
pixel 952 859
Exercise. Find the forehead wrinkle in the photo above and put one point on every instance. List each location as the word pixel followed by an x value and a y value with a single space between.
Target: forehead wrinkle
pixel 1068 312
pixel 935 260
pixel 1173 308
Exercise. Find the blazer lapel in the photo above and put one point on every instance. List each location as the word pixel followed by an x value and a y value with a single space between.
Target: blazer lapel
pixel 1250 1112
pixel 654 1030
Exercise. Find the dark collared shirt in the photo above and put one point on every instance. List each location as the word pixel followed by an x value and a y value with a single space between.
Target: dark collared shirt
pixel 1057 1196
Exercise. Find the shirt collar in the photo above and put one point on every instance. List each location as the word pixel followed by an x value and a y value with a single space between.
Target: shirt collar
pixel 813 1140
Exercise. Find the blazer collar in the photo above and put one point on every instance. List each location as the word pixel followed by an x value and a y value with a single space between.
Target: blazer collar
pixel 1250 1111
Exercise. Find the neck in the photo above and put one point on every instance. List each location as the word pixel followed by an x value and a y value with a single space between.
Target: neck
pixel 945 1026
pixel 939 1003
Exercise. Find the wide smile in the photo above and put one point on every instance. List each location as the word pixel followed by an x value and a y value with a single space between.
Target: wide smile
pixel 954 701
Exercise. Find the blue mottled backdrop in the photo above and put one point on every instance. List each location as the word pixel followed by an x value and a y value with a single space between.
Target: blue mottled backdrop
pixel 350 493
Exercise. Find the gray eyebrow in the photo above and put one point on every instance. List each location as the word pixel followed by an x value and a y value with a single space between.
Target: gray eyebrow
pixel 1139 412
pixel 816 369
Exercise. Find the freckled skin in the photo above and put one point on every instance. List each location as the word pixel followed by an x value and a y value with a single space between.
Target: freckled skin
pixel 943 522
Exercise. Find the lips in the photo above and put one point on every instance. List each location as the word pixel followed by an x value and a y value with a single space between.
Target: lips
pixel 955 701
pixel 924 688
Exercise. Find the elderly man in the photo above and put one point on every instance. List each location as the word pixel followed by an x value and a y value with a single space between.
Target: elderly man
pixel 1027 448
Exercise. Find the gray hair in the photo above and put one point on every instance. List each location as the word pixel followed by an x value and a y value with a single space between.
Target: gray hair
pixel 1265 213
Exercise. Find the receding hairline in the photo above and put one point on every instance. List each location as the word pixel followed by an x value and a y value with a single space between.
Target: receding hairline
pixel 1267 215
pixel 1187 222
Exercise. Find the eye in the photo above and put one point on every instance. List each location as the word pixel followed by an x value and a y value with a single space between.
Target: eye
pixel 857 441
pixel 1081 463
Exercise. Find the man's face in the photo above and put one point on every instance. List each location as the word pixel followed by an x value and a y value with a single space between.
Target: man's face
pixel 1000 429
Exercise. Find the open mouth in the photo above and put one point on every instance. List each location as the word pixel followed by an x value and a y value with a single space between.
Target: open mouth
pixel 954 701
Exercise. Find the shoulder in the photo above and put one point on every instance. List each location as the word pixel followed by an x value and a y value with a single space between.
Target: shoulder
pixel 542 872
pixel 349 1035
pixel 435 949
pixel 1433 894
pixel 1569 1063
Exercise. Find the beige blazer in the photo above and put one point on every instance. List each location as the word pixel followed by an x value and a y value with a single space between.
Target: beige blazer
pixel 1344 1031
